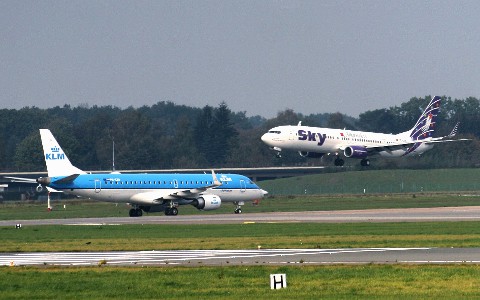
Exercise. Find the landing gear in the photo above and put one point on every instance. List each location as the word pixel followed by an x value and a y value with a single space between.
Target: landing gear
pixel 135 212
pixel 339 162
pixel 277 150
pixel 171 211
pixel 365 162
pixel 238 209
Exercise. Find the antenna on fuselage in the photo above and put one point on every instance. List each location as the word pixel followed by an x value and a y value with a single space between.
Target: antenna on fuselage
pixel 113 157
pixel 113 154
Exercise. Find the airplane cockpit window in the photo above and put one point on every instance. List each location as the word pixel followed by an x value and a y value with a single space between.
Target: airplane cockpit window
pixel 275 131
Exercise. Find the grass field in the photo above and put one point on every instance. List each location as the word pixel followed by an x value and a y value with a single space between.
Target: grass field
pixel 242 282
pixel 239 236
pixel 377 181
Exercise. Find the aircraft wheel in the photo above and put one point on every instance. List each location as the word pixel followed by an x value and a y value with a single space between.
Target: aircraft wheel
pixel 173 211
pixel 132 212
pixel 238 211
pixel 365 162
pixel 139 212
pixel 167 211
pixel 339 162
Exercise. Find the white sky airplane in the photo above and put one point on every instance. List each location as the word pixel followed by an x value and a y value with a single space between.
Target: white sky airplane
pixel 145 192
pixel 315 141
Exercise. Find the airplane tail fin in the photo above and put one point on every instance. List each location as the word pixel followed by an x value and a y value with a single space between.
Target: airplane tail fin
pixel 56 160
pixel 427 122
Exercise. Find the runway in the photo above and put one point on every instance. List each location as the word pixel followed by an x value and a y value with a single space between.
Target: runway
pixel 248 257
pixel 437 214
pixel 261 256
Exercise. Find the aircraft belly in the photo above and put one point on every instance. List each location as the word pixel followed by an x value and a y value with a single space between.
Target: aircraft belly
pixel 107 195
pixel 394 153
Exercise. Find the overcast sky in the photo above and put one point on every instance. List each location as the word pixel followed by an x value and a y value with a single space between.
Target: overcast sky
pixel 258 56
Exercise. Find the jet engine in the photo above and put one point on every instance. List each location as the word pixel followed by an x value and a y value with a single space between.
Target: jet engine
pixel 310 154
pixel 356 152
pixel 207 202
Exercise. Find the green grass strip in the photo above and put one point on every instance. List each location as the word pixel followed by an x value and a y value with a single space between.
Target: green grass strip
pixel 239 236
pixel 238 282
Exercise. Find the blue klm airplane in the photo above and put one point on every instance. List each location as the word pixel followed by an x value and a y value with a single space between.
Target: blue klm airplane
pixel 145 192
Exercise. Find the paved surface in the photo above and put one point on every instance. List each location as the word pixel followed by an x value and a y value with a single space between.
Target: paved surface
pixel 249 257
pixel 262 256
pixel 438 214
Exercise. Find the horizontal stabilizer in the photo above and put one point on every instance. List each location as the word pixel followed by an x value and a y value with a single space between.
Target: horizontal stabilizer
pixel 445 141
pixel 21 179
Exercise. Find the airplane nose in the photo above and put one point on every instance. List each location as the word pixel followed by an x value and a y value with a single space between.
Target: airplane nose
pixel 264 192
pixel 265 138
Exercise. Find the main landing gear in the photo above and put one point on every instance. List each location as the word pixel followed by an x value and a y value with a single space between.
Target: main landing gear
pixel 365 162
pixel 171 211
pixel 135 212
pixel 338 161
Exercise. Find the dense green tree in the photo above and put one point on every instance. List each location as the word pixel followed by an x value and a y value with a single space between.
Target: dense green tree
pixel 182 148
pixel 336 120
pixel 135 146
pixel 225 135
pixel 215 134
pixel 29 154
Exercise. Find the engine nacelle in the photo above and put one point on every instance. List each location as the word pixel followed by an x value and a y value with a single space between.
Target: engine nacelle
pixel 207 202
pixel 356 152
pixel 310 154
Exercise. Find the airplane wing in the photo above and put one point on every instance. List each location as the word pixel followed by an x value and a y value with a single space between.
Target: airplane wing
pixel 403 146
pixel 389 148
pixel 380 148
pixel 160 195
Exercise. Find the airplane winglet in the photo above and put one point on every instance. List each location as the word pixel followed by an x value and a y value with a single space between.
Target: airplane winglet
pixel 454 130
pixel 216 182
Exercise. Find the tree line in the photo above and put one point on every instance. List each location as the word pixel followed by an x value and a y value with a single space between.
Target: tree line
pixel 169 136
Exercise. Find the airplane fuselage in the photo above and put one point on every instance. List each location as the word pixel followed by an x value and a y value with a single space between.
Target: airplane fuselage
pixel 131 188
pixel 327 140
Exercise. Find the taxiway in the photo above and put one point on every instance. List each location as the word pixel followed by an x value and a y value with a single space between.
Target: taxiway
pixel 437 214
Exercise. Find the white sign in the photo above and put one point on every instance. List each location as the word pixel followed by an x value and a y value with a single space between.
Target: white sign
pixel 278 281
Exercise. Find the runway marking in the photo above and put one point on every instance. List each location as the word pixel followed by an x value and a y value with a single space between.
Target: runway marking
pixel 172 257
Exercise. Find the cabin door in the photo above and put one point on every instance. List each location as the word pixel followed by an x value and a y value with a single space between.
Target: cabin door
pixel 98 185
pixel 243 186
